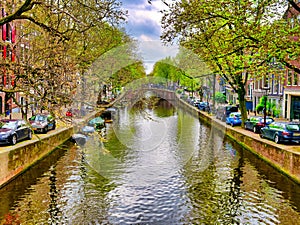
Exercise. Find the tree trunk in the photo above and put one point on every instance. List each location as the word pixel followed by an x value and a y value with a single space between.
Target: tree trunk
pixel 242 104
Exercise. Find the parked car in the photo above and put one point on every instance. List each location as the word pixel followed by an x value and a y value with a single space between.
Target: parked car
pixel 255 123
pixel 234 119
pixel 196 102
pixel 203 106
pixel 190 100
pixel 281 132
pixel 69 113
pixel 89 108
pixel 224 111
pixel 42 123
pixel 12 131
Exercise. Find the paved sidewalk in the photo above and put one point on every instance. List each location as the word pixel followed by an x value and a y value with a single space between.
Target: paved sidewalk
pixel 15 116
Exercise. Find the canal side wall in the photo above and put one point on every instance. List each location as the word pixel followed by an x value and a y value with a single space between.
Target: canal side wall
pixel 17 160
pixel 285 161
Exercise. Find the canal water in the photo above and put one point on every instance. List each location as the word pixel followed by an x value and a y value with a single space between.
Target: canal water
pixel 155 164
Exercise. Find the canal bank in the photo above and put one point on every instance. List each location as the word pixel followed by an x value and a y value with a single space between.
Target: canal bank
pixel 152 174
pixel 16 159
pixel 285 158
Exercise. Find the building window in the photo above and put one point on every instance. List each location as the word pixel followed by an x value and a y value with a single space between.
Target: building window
pixel 292 23
pixel 289 80
pixel 267 82
pixel 295 81
pixel 295 107
pixel 280 86
pixel 276 84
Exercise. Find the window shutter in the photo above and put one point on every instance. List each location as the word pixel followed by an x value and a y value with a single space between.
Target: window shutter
pixel 4 27
pixel 13 34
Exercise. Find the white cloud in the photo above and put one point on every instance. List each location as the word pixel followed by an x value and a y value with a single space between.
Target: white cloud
pixel 144 19
pixel 144 24
pixel 153 51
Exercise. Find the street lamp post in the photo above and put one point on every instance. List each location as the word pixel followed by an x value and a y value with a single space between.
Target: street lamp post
pixel 266 88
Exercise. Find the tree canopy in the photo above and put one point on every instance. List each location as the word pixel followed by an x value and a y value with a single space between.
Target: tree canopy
pixel 57 42
pixel 237 39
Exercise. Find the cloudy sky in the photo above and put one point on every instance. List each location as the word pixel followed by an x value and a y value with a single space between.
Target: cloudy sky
pixel 144 25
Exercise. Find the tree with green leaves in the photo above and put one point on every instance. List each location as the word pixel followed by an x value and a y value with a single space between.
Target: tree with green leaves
pixel 62 18
pixel 57 41
pixel 220 97
pixel 186 69
pixel 235 38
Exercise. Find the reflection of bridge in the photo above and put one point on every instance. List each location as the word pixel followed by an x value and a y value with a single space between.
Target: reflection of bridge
pixel 130 97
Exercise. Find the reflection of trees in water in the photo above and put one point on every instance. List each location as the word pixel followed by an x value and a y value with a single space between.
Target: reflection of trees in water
pixel 214 180
pixel 164 108
pixel 274 179
pixel 54 210
pixel 16 189
pixel 160 107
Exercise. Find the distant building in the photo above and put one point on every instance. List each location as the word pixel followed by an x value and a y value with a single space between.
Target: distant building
pixel 8 50
pixel 291 98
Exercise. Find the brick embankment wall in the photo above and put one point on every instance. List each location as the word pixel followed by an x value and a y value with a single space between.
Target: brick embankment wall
pixel 17 159
pixel 14 160
pixel 285 158
pixel 280 156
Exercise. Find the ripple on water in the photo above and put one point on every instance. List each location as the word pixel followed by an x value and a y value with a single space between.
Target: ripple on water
pixel 160 203
pixel 185 180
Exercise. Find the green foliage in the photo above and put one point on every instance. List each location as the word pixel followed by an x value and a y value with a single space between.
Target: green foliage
pixel 62 40
pixel 259 107
pixel 186 69
pixel 276 111
pixel 128 74
pixel 237 39
pixel 220 97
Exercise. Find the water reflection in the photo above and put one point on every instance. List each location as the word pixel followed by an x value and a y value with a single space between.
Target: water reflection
pixel 53 194
pixel 162 168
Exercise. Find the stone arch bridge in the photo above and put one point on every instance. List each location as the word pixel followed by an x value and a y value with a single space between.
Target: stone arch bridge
pixel 130 97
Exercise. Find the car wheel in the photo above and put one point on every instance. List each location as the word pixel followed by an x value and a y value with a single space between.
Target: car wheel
pixel 232 124
pixel 29 135
pixel 14 139
pixel 45 130
pixel 255 129
pixel 277 139
pixel 261 135
pixel 54 126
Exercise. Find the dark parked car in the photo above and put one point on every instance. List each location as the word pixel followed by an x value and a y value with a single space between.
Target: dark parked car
pixel 281 132
pixel 255 123
pixel 12 131
pixel 42 123
pixel 224 111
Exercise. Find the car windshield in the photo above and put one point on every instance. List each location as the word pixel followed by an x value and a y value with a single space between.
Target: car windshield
pixel 10 125
pixel 235 115
pixel 40 118
pixel 268 120
pixel 293 127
